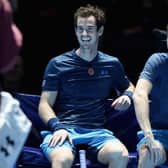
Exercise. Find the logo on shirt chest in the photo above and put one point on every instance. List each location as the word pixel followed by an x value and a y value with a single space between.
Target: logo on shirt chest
pixel 91 71
pixel 101 72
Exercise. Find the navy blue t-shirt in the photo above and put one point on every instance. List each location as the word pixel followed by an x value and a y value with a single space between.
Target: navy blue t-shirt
pixel 156 71
pixel 82 96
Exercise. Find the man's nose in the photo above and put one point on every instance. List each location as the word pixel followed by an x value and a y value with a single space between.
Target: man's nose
pixel 84 32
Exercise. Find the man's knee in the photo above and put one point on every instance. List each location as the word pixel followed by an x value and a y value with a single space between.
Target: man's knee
pixel 144 158
pixel 62 157
pixel 144 151
pixel 113 154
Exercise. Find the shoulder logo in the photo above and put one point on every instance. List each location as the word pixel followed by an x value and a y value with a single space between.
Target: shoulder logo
pixel 43 83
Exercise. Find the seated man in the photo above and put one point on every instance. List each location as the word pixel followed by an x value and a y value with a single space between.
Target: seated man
pixel 75 88
pixel 152 117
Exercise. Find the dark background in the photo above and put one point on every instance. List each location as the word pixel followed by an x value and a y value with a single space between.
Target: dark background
pixel 47 28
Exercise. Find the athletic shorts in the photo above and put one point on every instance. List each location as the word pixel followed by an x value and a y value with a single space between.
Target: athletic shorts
pixel 160 135
pixel 94 139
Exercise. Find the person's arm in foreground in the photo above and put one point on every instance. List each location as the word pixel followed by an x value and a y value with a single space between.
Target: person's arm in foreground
pixel 141 104
pixel 49 117
pixel 11 38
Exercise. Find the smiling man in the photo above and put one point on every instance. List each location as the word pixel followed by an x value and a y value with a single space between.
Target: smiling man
pixel 75 88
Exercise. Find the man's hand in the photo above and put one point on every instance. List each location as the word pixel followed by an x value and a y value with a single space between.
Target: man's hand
pixel 121 103
pixel 157 153
pixel 59 137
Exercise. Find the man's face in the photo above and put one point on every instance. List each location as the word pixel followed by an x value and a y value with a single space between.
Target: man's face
pixel 86 31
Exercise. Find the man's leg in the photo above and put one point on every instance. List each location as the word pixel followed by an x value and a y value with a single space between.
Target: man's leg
pixel 61 158
pixel 113 153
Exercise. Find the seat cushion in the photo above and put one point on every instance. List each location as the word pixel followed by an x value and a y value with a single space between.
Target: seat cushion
pixel 33 156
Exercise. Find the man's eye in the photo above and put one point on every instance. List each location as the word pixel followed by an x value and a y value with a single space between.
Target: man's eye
pixel 88 29
pixel 79 29
pixel 91 29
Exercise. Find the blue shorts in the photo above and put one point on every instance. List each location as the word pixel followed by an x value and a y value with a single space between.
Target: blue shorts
pixel 160 135
pixel 94 139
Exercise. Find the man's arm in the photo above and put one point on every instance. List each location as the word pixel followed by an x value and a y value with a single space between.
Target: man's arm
pixel 141 104
pixel 11 38
pixel 131 87
pixel 49 117
pixel 46 103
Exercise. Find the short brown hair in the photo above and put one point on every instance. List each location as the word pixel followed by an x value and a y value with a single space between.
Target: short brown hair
pixel 90 10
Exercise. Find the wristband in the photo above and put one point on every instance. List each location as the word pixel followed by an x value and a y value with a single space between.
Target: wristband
pixel 54 124
pixel 128 93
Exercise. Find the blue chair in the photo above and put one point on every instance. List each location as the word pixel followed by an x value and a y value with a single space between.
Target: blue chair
pixel 123 124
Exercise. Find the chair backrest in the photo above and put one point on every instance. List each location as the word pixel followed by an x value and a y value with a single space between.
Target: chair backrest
pixel 29 104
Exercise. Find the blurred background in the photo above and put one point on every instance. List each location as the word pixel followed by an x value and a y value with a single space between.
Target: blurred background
pixel 47 27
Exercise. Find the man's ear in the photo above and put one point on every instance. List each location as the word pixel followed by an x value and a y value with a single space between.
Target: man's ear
pixel 75 28
pixel 101 30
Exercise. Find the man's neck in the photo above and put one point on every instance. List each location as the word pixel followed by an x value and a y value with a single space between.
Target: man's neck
pixel 87 55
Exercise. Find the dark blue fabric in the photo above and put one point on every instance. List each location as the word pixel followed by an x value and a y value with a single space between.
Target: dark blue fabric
pixel 33 156
pixel 156 71
pixel 82 96
pixel 29 104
